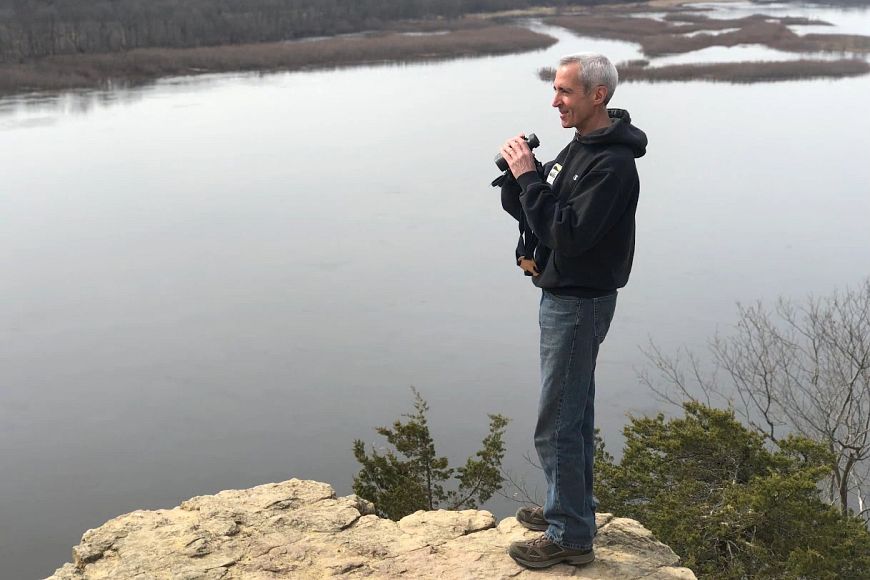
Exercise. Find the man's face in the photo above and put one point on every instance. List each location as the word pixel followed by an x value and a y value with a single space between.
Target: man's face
pixel 574 104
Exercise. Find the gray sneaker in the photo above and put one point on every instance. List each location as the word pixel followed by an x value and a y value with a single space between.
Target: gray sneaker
pixel 532 518
pixel 543 553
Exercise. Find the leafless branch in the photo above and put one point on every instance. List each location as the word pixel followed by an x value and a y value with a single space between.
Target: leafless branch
pixel 801 369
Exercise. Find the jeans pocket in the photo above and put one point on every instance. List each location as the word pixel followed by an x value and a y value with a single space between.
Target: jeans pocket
pixel 557 312
pixel 602 312
pixel 572 301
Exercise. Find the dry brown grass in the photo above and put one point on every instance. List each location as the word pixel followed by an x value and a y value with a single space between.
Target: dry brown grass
pixel 747 72
pixel 669 37
pixel 658 37
pixel 618 9
pixel 74 71
pixel 734 72
pixel 703 22
pixel 547 74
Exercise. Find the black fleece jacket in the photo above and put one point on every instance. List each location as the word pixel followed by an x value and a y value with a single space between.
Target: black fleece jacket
pixel 576 214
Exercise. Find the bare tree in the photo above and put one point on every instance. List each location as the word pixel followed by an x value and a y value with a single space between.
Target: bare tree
pixel 796 368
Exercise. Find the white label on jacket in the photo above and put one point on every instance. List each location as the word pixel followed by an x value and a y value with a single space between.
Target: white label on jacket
pixel 553 173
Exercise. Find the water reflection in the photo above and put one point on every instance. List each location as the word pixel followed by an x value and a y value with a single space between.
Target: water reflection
pixel 740 53
pixel 75 102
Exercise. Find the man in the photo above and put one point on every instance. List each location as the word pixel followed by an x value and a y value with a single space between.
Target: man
pixel 576 217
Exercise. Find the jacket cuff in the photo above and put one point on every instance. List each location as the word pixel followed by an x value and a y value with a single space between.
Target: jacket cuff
pixel 528 179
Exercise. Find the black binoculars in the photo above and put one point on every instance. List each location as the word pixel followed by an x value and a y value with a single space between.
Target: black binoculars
pixel 533 142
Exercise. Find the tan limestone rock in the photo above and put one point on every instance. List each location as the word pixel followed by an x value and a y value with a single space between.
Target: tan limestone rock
pixel 299 529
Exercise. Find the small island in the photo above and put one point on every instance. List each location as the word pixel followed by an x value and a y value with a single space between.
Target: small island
pixel 680 28
pixel 412 41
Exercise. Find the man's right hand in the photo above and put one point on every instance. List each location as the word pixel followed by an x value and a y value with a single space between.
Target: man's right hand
pixel 528 266
pixel 518 155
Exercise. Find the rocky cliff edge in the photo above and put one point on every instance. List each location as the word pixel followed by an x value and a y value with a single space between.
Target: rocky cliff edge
pixel 299 529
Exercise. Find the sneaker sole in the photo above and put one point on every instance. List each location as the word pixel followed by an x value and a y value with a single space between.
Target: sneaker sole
pixel 530 526
pixel 572 560
pixel 534 527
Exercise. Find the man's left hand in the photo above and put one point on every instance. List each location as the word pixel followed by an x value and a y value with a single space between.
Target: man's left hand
pixel 528 266
pixel 518 156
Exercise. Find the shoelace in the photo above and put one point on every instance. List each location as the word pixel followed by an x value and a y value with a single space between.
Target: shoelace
pixel 540 541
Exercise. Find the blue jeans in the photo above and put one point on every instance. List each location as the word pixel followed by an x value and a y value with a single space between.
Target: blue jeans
pixel 571 331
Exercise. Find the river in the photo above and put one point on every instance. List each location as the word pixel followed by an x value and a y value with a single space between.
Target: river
pixel 221 281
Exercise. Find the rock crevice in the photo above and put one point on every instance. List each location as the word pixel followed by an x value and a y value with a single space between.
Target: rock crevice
pixel 300 529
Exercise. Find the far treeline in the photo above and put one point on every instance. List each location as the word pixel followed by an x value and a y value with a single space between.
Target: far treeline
pixel 37 28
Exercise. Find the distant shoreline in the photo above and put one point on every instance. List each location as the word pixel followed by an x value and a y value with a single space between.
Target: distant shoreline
pixel 415 42
pixel 683 29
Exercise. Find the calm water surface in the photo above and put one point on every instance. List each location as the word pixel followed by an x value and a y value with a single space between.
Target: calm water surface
pixel 218 282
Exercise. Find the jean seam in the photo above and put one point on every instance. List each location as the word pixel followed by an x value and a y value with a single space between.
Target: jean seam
pixel 595 320
pixel 596 327
pixel 562 388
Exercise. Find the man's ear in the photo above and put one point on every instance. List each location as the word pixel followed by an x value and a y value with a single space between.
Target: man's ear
pixel 600 95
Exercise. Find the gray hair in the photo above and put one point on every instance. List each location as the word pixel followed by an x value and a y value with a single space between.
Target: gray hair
pixel 595 69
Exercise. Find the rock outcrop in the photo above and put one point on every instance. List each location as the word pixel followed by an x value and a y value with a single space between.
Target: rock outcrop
pixel 299 529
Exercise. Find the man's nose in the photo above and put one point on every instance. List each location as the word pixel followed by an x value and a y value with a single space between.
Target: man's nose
pixel 556 100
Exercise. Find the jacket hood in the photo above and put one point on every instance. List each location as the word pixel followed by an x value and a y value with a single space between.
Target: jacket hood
pixel 620 132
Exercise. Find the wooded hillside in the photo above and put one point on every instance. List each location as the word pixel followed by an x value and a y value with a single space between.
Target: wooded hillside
pixel 36 28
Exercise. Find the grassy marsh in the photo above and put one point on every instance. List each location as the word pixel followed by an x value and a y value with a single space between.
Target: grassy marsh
pixel 681 33
pixel 409 42
pixel 685 29
pixel 734 72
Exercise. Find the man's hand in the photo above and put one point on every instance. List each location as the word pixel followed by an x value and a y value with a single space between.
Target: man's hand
pixel 528 265
pixel 518 155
